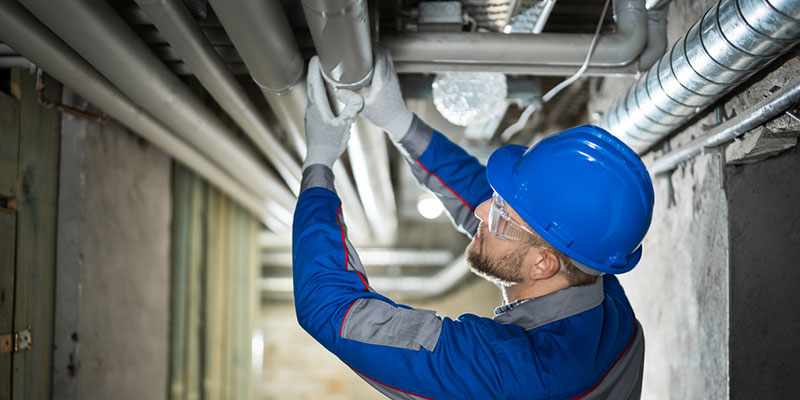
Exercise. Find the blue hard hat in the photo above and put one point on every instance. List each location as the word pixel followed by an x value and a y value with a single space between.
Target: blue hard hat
pixel 583 190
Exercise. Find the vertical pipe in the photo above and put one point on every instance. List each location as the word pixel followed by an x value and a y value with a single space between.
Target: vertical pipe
pixel 262 35
pixel 340 30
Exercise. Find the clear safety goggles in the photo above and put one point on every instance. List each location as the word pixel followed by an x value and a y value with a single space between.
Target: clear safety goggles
pixel 501 224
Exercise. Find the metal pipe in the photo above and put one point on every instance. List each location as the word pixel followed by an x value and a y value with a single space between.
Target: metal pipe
pixel 14 61
pixel 555 49
pixel 28 36
pixel 733 40
pixel 340 31
pixel 263 37
pixel 656 38
pixel 175 22
pixel 417 286
pixel 421 67
pixel 98 34
pixel 369 161
pixel 751 118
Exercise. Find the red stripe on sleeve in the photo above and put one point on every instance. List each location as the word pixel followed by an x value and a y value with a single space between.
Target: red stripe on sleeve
pixel 445 185
pixel 390 387
pixel 345 316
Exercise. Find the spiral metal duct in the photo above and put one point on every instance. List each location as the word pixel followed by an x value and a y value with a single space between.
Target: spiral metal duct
pixel 732 41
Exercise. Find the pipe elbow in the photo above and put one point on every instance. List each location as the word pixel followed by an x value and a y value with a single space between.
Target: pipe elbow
pixel 656 38
pixel 630 39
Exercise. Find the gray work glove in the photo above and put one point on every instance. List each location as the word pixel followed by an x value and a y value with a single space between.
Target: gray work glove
pixel 384 106
pixel 326 135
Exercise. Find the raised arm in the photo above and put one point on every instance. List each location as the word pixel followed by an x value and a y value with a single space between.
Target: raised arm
pixel 457 178
pixel 401 351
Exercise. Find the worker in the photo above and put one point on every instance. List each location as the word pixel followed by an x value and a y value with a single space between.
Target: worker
pixel 550 224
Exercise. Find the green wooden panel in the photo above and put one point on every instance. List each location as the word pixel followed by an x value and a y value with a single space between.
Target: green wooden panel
pixel 215 296
pixel 36 238
pixel 195 290
pixel 9 144
pixel 8 221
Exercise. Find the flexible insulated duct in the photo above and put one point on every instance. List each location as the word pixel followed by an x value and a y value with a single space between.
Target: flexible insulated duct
pixel 733 40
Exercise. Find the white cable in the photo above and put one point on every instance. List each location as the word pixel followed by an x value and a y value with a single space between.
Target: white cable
pixel 554 91
pixel 517 126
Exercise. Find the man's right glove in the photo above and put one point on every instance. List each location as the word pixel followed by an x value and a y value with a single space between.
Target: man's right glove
pixel 384 106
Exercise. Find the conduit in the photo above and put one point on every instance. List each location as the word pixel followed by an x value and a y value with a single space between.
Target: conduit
pixel 465 49
pixel 733 40
pixel 751 118
pixel 98 34
pixel 262 35
pixel 29 37
pixel 178 26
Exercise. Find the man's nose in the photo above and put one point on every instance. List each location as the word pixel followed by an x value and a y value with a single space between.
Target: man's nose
pixel 482 211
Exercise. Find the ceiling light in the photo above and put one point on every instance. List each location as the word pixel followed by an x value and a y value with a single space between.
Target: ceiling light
pixel 429 206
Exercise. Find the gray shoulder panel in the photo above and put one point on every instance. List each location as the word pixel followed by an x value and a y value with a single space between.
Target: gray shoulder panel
pixel 624 381
pixel 317 175
pixel 375 321
pixel 554 306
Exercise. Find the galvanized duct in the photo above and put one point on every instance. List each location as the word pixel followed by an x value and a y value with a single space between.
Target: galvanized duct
pixel 733 40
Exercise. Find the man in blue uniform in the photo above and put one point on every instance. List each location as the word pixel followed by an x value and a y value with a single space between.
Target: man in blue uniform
pixel 551 224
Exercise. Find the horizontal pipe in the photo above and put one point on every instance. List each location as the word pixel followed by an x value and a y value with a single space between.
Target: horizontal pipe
pixel 14 61
pixel 175 22
pixel 751 118
pixel 28 36
pixel 412 286
pixel 555 49
pixel 414 67
pixel 101 37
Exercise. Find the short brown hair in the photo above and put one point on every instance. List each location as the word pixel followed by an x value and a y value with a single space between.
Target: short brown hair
pixel 574 276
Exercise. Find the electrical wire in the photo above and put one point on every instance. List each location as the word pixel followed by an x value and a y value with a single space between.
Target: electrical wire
pixel 554 91
pixel 526 114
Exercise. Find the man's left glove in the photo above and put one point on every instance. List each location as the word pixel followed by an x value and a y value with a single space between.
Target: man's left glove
pixel 326 135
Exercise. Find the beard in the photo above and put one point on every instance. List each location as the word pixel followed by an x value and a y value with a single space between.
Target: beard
pixel 505 270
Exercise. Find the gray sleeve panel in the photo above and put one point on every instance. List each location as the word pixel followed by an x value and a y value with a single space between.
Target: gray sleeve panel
pixel 353 261
pixel 624 381
pixel 390 392
pixel 412 145
pixel 462 216
pixel 416 140
pixel 375 321
pixel 317 175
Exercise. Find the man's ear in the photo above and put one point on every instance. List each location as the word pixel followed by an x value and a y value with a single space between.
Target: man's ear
pixel 544 264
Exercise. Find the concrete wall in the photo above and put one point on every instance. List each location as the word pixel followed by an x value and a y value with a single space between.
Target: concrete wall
pixel 765 252
pixel 112 294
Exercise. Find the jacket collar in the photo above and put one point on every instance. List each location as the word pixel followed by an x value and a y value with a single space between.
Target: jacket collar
pixel 533 313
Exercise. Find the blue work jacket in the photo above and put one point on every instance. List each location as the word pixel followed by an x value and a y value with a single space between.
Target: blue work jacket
pixel 580 342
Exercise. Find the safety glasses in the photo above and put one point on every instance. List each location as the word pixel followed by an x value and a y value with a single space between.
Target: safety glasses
pixel 501 224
